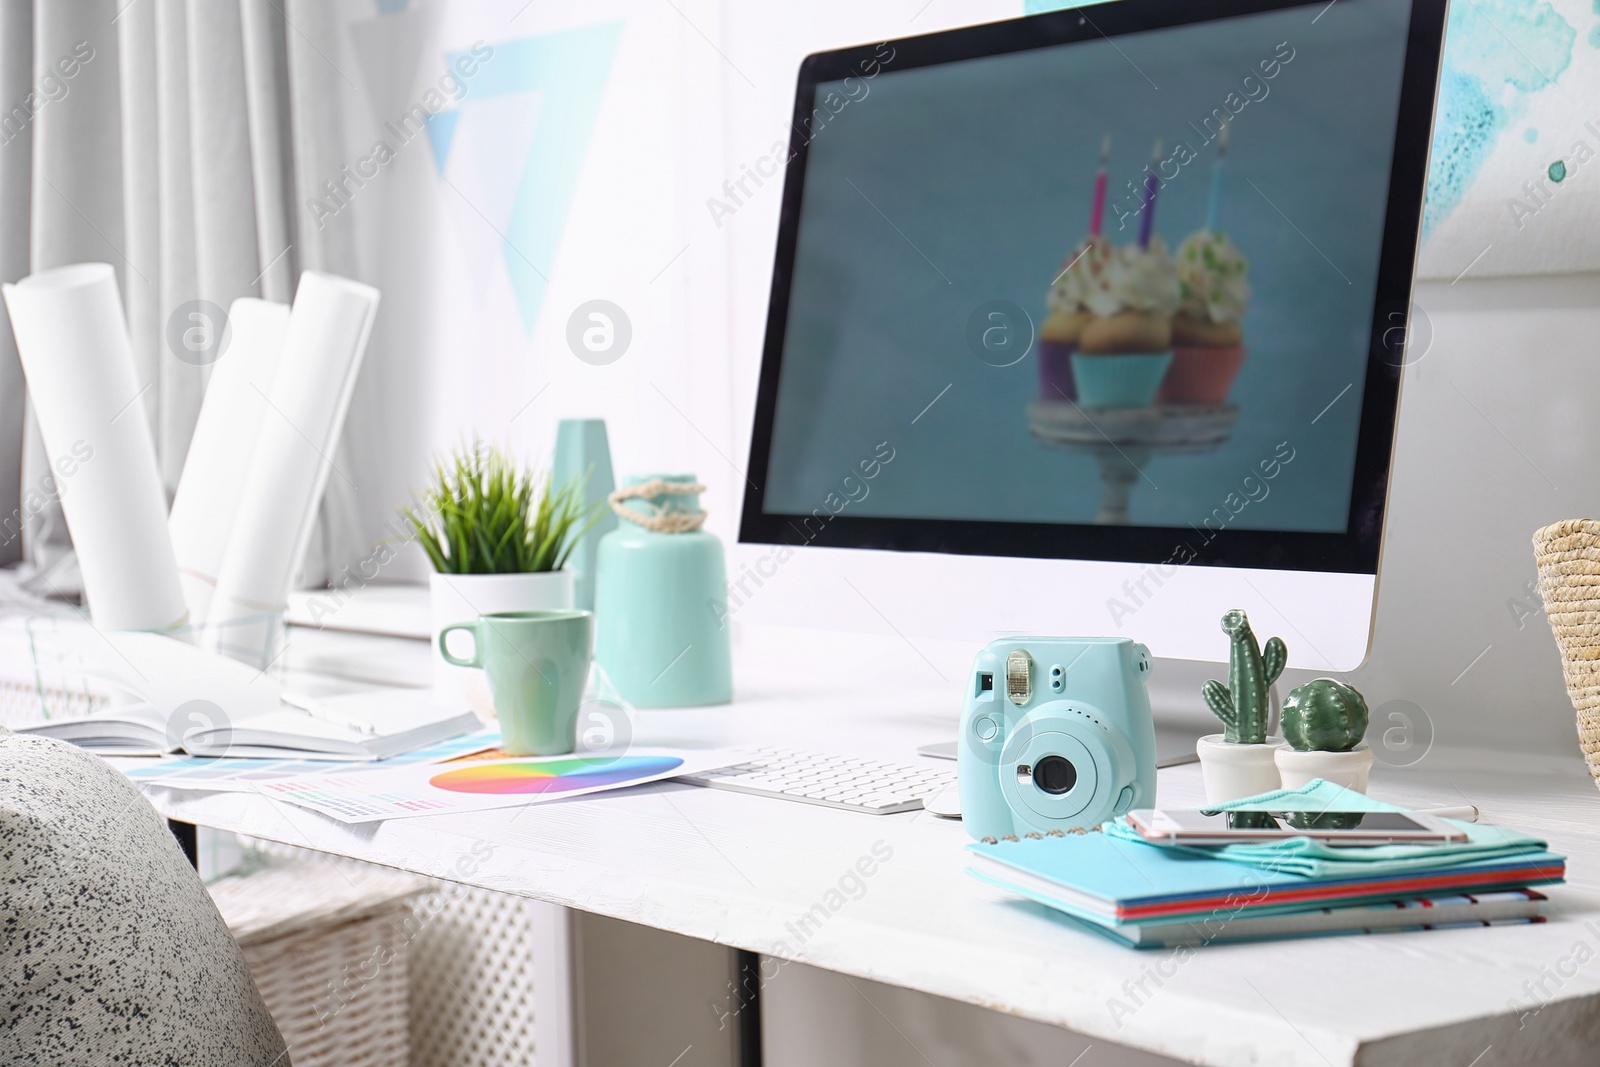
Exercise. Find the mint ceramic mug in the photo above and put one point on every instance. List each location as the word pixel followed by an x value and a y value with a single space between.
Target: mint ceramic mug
pixel 537 663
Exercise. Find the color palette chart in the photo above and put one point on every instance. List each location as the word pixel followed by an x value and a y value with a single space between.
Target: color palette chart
pixel 555 776
pixel 432 789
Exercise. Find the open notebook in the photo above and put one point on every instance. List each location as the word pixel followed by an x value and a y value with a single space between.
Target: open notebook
pixel 179 698
pixel 358 726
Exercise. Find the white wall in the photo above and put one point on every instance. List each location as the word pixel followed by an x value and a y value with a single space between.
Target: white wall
pixel 1497 438
pixel 699 90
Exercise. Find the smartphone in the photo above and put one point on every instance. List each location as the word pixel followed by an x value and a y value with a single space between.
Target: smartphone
pixel 1175 826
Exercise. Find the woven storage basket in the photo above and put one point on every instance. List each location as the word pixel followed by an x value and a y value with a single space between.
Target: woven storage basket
pixel 469 958
pixel 327 944
pixel 1569 580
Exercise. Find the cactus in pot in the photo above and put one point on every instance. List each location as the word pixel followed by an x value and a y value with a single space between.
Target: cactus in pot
pixel 1243 704
pixel 1324 721
pixel 1324 715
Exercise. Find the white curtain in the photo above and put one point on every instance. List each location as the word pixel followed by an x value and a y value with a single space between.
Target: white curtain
pixel 162 137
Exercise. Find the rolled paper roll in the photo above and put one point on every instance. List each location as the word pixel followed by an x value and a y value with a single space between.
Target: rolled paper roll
pixel 75 353
pixel 214 473
pixel 289 468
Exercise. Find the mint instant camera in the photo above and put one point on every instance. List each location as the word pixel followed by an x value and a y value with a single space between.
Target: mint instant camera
pixel 1056 734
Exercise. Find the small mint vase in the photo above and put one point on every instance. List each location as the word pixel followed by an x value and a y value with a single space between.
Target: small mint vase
pixel 583 451
pixel 657 635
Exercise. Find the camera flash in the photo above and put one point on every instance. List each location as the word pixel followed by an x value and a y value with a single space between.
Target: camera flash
pixel 1019 684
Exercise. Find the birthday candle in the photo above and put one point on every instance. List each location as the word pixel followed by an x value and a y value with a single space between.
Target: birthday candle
pixel 1214 206
pixel 1098 211
pixel 1147 214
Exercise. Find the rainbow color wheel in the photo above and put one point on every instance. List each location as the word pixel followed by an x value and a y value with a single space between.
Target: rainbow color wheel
pixel 553 775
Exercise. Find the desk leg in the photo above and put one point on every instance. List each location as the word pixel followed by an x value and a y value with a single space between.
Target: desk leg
pixel 749 1009
pixel 555 986
pixel 188 836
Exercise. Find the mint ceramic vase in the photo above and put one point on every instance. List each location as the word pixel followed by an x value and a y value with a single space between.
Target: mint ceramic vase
pixel 583 451
pixel 658 576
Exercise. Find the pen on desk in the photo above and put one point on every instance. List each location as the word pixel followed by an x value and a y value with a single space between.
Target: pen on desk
pixel 317 710
pixel 1463 812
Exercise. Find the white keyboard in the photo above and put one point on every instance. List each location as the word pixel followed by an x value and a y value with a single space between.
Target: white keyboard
pixel 830 781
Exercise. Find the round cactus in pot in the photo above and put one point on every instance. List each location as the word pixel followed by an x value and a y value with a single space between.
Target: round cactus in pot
pixel 1324 721
pixel 1324 715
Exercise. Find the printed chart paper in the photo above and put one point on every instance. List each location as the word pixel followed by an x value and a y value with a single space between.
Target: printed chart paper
pixel 238 775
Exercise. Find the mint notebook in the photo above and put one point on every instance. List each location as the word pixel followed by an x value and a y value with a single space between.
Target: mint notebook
pixel 1110 881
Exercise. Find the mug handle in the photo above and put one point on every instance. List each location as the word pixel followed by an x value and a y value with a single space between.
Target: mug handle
pixel 477 645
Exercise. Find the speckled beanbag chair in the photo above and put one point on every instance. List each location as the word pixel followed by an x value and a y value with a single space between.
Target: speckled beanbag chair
pixel 111 951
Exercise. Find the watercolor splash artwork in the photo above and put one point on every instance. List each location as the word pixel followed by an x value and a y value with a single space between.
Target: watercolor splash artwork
pixel 1499 55
pixel 1514 175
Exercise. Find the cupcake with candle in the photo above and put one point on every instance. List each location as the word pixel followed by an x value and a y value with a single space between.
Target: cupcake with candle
pixel 1083 274
pixel 1213 283
pixel 1083 278
pixel 1207 342
pixel 1125 349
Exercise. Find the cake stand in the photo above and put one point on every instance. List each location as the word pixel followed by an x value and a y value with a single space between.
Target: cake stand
pixel 1125 440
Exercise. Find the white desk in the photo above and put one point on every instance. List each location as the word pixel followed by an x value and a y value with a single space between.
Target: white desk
pixel 746 871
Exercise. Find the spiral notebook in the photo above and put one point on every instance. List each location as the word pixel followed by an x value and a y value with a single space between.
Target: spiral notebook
pixel 1119 885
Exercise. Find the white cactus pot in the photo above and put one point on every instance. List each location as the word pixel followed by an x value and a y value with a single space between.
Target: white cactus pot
pixel 1349 769
pixel 1232 772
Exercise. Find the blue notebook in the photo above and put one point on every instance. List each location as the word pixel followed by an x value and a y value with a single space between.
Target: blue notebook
pixel 1111 882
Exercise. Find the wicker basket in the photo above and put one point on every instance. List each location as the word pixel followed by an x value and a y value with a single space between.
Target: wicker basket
pixel 1569 580
pixel 469 963
pixel 327 944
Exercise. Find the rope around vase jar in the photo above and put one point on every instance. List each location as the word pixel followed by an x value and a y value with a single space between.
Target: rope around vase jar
pixel 661 521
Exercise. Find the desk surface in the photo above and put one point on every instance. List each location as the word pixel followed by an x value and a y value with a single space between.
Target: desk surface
pixel 781 878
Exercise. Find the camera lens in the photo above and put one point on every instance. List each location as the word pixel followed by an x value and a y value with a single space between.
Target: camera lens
pixel 1055 775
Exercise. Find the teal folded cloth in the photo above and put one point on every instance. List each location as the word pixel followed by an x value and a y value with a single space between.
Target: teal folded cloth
pixel 1315 859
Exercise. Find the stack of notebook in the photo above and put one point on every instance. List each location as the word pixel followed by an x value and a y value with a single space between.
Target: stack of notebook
pixel 1152 896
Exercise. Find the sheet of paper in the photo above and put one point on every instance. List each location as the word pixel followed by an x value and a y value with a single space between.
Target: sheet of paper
pixel 478 785
pixel 230 775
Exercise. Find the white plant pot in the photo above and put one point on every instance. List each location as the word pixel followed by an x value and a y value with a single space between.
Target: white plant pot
pixel 1232 772
pixel 1349 769
pixel 462 598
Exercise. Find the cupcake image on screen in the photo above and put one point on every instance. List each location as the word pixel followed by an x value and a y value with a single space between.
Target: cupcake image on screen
pixel 1084 274
pixel 1125 349
pixel 1207 342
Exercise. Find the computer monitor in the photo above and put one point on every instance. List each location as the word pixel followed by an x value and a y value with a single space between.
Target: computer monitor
pixel 1093 322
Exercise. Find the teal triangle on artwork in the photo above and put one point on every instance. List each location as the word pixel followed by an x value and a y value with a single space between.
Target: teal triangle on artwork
pixel 571 69
pixel 441 132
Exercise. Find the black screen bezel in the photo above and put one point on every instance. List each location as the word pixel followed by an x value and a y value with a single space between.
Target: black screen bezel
pixel 1356 550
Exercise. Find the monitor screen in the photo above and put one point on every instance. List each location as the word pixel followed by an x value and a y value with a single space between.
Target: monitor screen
pixel 1127 283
